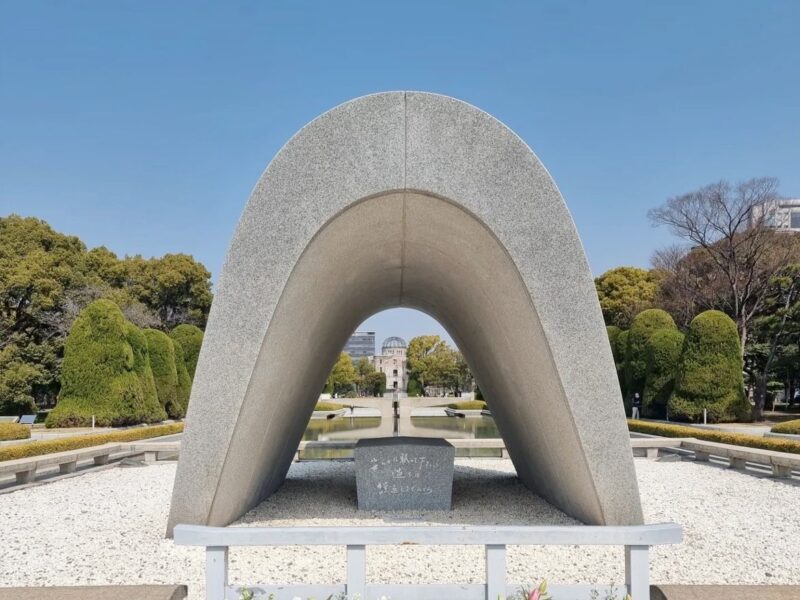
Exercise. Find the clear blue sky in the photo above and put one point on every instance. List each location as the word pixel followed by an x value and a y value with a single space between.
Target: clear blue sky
pixel 143 125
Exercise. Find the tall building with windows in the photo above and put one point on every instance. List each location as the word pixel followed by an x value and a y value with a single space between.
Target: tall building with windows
pixel 781 215
pixel 392 362
pixel 361 345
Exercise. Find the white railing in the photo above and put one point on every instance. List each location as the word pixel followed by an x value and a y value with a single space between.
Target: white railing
pixel 636 540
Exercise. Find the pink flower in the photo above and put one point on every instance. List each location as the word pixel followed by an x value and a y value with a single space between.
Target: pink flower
pixel 534 595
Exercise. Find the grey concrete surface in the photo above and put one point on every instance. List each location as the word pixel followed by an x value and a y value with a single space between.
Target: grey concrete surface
pixel 724 592
pixel 418 200
pixel 95 592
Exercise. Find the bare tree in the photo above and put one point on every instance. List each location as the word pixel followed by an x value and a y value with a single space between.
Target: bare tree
pixel 727 224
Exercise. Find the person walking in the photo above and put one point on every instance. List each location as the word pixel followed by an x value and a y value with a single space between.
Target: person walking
pixel 636 406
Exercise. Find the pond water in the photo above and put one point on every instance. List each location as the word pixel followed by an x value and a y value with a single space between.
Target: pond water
pixel 355 428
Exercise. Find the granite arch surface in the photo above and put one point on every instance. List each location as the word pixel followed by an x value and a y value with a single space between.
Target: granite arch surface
pixel 418 200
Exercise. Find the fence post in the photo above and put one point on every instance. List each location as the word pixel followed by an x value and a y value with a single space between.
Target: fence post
pixel 495 571
pixel 216 572
pixel 356 572
pixel 637 572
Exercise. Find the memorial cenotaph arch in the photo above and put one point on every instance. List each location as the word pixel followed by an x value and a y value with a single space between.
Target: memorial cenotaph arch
pixel 418 200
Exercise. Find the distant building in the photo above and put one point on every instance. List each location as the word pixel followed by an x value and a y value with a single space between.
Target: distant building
pixel 392 362
pixel 781 215
pixel 361 345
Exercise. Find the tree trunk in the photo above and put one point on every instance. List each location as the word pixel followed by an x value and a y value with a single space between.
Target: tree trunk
pixel 760 396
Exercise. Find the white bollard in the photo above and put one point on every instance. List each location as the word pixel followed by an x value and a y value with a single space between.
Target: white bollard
pixel 92 422
pixel 705 416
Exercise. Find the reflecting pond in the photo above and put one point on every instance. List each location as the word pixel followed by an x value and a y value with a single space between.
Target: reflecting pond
pixel 355 428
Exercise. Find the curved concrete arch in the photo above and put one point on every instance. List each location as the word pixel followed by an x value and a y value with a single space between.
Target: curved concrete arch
pixel 419 200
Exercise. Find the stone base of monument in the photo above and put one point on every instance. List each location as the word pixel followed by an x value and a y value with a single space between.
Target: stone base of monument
pixel 404 473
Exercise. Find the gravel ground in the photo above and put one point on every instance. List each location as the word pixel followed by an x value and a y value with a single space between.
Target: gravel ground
pixel 107 527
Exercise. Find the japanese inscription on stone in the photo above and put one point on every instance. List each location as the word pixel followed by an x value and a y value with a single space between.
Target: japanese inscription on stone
pixel 403 473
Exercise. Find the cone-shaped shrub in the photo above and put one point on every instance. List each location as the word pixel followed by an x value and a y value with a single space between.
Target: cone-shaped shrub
pixel 190 338
pixel 141 366
pixel 165 373
pixel 710 372
pixel 98 374
pixel 184 381
pixel 644 325
pixel 663 351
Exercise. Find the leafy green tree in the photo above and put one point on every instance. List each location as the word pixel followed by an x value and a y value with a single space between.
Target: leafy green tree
pixel 17 379
pixel 190 337
pixel 710 372
pixel 431 362
pixel 175 286
pixel 48 278
pixel 375 383
pixel 99 376
pixel 343 375
pixel 624 292
pixel 663 352
pixel 778 322
pixel 621 352
pixel 644 325
pixel 413 388
pixel 613 333
pixel 165 372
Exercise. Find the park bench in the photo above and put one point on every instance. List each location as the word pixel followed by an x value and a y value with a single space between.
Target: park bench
pixel 25 468
pixel 650 447
pixel 9 419
pixel 152 451
pixel 782 463
pixel 96 592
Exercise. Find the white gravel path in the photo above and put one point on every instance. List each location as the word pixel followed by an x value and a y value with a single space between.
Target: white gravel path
pixel 107 527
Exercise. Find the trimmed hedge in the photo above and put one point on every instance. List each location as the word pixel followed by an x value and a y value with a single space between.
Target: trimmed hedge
pixel 191 339
pixel 710 372
pixel 790 427
pixel 325 406
pixel 98 375
pixel 184 381
pixel 710 435
pixel 85 441
pixel 141 366
pixel 468 405
pixel 663 353
pixel 14 431
pixel 644 325
pixel 165 373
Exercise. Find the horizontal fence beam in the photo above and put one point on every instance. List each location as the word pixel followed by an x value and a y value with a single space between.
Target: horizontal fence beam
pixel 582 535
pixel 398 591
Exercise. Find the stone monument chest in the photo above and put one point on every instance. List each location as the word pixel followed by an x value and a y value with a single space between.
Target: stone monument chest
pixel 404 473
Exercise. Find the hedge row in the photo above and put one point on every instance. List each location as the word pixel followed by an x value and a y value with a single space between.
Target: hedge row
pixel 85 441
pixel 791 427
pixel 709 435
pixel 468 405
pixel 14 431
pixel 325 406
